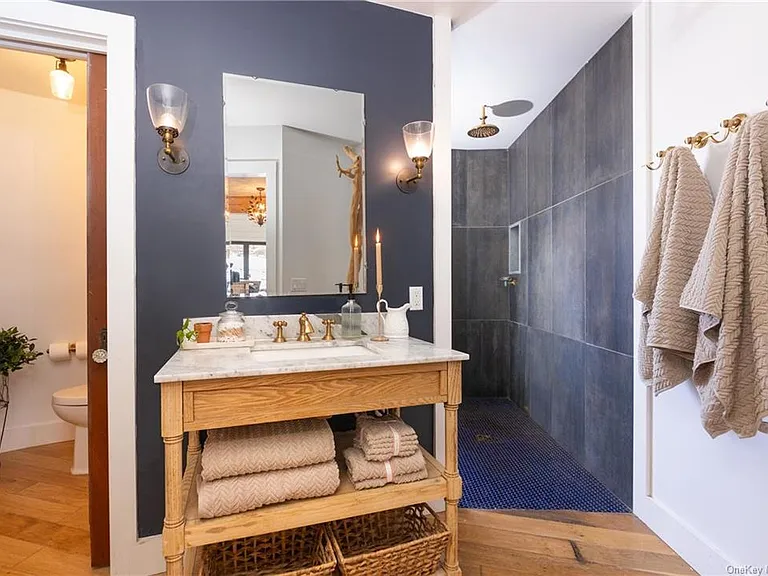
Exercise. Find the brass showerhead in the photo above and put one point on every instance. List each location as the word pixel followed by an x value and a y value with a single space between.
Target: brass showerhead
pixel 483 130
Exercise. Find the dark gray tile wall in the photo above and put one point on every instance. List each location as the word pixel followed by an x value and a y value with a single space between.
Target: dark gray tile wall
pixel 609 265
pixel 518 295
pixel 539 162
pixel 568 341
pixel 540 373
pixel 608 419
pixel 569 136
pixel 540 270
pixel 609 109
pixel 567 426
pixel 568 262
pixel 518 179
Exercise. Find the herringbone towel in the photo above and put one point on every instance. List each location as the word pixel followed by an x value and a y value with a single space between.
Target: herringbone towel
pixel 367 474
pixel 242 493
pixel 729 290
pixel 384 437
pixel 680 220
pixel 264 447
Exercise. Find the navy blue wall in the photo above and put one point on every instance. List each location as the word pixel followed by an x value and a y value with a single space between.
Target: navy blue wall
pixel 356 46
pixel 559 343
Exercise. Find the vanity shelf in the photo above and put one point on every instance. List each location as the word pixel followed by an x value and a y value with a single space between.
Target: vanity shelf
pixel 405 373
pixel 295 513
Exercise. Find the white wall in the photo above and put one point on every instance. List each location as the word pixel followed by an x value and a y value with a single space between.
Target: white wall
pixel 241 229
pixel 315 212
pixel 42 252
pixel 252 142
pixel 699 63
pixel 260 102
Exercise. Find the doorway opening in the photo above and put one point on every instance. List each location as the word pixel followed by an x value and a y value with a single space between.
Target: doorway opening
pixel 54 461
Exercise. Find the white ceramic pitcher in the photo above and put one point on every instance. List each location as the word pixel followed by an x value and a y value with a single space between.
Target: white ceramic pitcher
pixel 396 321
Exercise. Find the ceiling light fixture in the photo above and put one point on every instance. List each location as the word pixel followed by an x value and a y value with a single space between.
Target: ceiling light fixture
pixel 257 207
pixel 62 82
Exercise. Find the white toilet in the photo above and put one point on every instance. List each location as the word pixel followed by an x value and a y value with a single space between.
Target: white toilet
pixel 71 405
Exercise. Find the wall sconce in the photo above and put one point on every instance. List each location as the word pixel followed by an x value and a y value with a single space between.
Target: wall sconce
pixel 168 107
pixel 418 143
pixel 62 82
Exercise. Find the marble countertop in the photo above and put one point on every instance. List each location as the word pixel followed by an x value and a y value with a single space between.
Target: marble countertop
pixel 243 362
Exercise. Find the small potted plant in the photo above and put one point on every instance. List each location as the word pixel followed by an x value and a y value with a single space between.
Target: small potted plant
pixel 185 333
pixel 16 351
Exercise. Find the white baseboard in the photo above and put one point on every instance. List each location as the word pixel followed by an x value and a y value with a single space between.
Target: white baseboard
pixel 37 434
pixel 703 556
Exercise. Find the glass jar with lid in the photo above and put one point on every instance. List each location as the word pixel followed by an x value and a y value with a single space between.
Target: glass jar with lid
pixel 231 325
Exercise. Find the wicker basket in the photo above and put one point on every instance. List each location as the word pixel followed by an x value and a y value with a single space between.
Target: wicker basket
pixel 402 542
pixel 305 551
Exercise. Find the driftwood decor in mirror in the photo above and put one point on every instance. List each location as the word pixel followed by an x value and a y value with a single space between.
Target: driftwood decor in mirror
pixel 294 188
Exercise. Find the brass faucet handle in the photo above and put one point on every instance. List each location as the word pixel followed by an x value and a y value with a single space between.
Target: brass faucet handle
pixel 279 324
pixel 328 323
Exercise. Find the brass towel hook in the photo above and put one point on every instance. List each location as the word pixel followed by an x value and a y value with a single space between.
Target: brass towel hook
pixel 730 125
pixel 660 155
pixel 698 140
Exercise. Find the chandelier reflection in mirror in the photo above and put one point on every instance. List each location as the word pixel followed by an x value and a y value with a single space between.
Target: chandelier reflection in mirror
pixel 257 208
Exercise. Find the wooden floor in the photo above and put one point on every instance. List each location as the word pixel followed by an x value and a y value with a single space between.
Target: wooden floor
pixel 562 543
pixel 43 514
pixel 44 531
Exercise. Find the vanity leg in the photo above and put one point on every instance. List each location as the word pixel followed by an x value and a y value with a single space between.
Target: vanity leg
pixel 452 468
pixel 173 435
pixel 193 444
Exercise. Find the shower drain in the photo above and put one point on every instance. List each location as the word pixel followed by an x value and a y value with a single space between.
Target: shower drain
pixel 483 437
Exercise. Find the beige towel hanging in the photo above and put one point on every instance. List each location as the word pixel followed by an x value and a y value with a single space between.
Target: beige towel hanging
pixel 729 288
pixel 680 220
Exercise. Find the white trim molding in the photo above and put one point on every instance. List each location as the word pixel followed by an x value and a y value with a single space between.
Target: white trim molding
pixel 703 556
pixel 87 30
pixel 441 201
pixel 21 437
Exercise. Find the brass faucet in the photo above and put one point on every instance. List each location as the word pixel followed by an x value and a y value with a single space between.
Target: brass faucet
pixel 305 328
pixel 279 324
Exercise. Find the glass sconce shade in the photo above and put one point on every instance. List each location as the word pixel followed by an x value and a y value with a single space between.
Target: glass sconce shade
pixel 168 106
pixel 62 82
pixel 418 138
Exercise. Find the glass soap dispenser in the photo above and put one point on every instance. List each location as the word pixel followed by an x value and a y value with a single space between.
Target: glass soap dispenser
pixel 351 315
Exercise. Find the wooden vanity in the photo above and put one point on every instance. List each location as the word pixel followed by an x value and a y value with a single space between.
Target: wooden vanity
pixel 202 390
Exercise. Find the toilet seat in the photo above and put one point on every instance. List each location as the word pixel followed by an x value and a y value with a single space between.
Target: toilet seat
pixel 74 396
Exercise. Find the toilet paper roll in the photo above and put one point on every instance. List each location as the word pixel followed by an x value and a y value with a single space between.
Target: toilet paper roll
pixel 59 351
pixel 81 349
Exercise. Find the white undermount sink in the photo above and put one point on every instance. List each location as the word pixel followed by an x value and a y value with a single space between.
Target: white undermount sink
pixel 311 353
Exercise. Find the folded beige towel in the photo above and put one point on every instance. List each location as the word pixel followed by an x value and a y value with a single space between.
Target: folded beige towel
pixel 367 474
pixel 384 437
pixel 242 493
pixel 680 221
pixel 264 447
pixel 728 290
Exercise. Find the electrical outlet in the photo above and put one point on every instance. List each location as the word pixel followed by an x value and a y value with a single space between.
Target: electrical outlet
pixel 298 285
pixel 416 297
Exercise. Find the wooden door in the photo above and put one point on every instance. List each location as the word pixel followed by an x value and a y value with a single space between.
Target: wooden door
pixel 98 447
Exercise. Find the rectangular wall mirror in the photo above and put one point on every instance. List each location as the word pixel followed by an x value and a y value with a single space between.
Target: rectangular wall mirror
pixel 294 185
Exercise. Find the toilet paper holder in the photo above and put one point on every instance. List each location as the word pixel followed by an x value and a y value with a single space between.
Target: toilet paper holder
pixel 72 348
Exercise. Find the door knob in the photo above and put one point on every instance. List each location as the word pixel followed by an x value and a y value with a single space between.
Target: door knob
pixel 99 356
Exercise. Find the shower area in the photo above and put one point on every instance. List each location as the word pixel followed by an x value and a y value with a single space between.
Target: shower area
pixel 542 301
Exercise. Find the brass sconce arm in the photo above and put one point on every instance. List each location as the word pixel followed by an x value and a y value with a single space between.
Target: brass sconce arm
pixel 168 135
pixel 420 162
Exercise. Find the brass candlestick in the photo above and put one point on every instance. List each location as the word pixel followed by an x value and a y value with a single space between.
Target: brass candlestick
pixel 380 336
